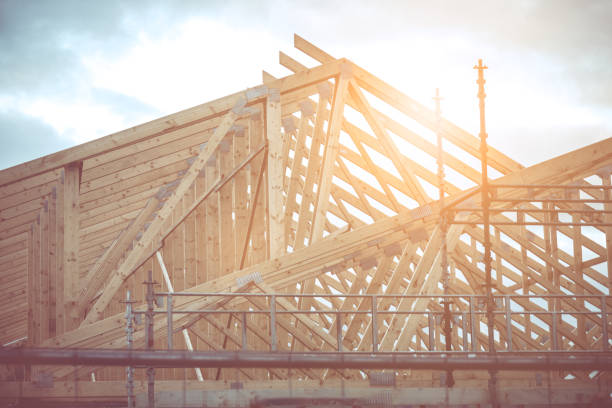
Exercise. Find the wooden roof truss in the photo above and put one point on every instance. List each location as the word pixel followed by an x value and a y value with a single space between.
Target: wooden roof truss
pixel 321 182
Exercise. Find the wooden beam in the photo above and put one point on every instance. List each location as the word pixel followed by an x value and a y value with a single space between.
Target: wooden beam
pixel 313 171
pixel 33 261
pixel 389 147
pixel 160 260
pixel 163 125
pixel 331 152
pixel 45 316
pixel 276 174
pixel 311 50
pixel 605 178
pixel 71 216
pixel 296 266
pixel 413 109
pixel 254 204
pixel 332 146
pixel 372 288
pixel 135 257
pixel 99 273
pixel 424 281
pixel 300 152
pixel 240 193
pixel 225 202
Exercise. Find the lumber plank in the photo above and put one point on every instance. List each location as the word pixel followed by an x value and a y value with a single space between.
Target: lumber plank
pixel 423 281
pixel 134 257
pixel 314 161
pixel 331 152
pixel 300 151
pixel 277 140
pixel 225 203
pixel 71 217
pixel 162 125
pixel 240 196
pixel 99 273
pixel 387 144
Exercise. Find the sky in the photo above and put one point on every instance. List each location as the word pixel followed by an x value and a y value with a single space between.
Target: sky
pixel 73 71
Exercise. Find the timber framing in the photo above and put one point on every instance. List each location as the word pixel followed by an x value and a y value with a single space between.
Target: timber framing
pixel 321 184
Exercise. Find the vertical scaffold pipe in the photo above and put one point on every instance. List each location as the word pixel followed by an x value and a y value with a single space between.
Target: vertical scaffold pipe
pixel 150 339
pixel 130 340
pixel 486 226
pixel 443 232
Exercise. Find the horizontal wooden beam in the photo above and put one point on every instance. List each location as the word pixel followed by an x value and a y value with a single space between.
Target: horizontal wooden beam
pixel 209 110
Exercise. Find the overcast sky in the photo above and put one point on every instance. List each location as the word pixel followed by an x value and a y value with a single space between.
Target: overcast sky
pixel 73 71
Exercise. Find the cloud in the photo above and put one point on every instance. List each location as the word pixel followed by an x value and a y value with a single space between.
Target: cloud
pixel 42 42
pixel 558 48
pixel 538 144
pixel 24 137
pixel 133 109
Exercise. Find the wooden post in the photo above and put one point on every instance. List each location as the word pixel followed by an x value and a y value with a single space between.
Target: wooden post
pixel 53 263
pixel 59 259
pixel 331 152
pixel 258 239
pixel 314 168
pixel 578 270
pixel 224 197
pixel 33 258
pixel 240 196
pixel 44 271
pixel 72 181
pixel 276 173
pixel 605 178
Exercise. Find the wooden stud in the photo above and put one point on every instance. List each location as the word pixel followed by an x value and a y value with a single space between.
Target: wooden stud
pixel 276 173
pixel 135 256
pixel 71 190
pixel 331 152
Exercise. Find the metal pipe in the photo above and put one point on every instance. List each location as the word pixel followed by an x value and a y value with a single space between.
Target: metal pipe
pixel 555 339
pixel 339 331
pixel 357 312
pixel 430 330
pixel 169 321
pixel 604 324
pixel 548 200
pixel 558 224
pixel 473 325
pixel 547 186
pixel 130 339
pixel 508 323
pixel 539 210
pixel 464 330
pixel 486 202
pixel 170 310
pixel 150 338
pixel 374 324
pixel 348 360
pixel 443 232
pixel 273 323
pixel 245 345
pixel 347 295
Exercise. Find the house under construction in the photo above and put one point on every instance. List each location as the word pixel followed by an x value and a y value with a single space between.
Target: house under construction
pixel 321 239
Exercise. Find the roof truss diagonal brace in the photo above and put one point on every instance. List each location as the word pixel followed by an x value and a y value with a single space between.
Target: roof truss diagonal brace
pixel 148 238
